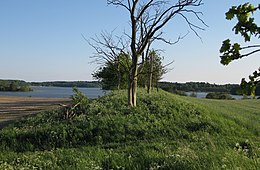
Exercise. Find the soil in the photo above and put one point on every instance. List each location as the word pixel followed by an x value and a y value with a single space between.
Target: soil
pixel 13 108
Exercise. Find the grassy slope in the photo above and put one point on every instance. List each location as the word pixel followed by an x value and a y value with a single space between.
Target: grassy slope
pixel 164 132
pixel 242 113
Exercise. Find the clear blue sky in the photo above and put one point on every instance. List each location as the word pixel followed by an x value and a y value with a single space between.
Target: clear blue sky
pixel 40 40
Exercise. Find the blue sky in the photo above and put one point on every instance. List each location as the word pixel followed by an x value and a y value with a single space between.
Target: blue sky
pixel 40 40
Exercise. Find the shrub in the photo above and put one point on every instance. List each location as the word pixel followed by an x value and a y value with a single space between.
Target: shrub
pixel 217 95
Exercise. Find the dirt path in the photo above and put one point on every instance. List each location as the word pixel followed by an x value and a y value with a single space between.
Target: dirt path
pixel 12 108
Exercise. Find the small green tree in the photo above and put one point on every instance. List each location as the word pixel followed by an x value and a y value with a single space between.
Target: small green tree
pixel 247 28
pixel 114 74
pixel 151 70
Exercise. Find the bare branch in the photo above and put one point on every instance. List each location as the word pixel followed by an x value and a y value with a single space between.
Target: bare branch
pixel 250 53
pixel 250 46
pixel 119 3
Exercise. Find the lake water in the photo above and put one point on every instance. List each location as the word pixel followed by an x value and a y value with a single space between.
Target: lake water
pixel 56 92
pixel 66 92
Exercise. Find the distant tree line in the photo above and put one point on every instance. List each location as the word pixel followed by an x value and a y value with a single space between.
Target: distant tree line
pixel 86 84
pixel 203 87
pixel 14 85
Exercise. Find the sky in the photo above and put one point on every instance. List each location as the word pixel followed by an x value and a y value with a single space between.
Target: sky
pixel 41 40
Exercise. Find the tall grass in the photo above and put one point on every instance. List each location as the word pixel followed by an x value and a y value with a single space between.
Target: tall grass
pixel 164 131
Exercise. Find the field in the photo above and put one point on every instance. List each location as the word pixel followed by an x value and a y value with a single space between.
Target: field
pixel 13 108
pixel 164 131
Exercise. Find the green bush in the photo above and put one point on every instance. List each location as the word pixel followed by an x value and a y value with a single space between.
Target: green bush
pixel 221 96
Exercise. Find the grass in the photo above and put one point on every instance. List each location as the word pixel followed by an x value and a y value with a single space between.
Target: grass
pixel 244 113
pixel 164 131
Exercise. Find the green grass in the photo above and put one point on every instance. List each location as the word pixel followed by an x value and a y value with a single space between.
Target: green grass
pixel 164 131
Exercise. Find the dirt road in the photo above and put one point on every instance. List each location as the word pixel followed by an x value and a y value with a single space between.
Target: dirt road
pixel 12 108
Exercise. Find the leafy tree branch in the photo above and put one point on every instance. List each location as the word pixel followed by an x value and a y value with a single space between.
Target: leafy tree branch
pixel 247 28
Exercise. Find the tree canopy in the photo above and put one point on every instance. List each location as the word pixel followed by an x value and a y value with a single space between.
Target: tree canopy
pixel 114 74
pixel 14 85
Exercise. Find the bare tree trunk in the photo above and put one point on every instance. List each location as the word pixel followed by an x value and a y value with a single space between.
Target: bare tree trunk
pixel 118 76
pixel 133 82
pixel 129 90
pixel 150 76
pixel 134 87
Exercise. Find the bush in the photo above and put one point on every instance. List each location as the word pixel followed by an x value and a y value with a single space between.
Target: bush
pixel 221 96
pixel 79 105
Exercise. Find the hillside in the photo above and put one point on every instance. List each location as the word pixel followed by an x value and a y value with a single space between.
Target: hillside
pixel 164 131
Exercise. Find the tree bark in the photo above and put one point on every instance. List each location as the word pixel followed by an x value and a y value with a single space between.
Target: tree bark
pixel 119 75
pixel 132 85
pixel 129 90
pixel 150 76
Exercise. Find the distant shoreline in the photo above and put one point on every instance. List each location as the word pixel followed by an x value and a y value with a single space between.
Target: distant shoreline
pixel 79 84
pixel 56 92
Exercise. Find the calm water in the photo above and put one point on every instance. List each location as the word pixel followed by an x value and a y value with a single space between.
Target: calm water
pixel 66 92
pixel 56 92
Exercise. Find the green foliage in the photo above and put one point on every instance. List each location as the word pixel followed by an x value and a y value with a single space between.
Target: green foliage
pixel 200 87
pixel 114 74
pixel 247 28
pixel 14 85
pixel 230 53
pixel 173 90
pixel 164 131
pixel 80 101
pixel 217 95
pixel 251 86
pixel 246 25
pixel 153 60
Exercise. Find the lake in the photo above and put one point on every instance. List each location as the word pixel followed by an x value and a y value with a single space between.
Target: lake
pixel 66 92
pixel 56 92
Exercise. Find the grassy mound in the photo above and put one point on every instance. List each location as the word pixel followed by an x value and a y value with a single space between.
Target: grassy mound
pixel 164 131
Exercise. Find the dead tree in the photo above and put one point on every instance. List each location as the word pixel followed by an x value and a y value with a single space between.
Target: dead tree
pixel 69 111
pixel 108 50
pixel 153 15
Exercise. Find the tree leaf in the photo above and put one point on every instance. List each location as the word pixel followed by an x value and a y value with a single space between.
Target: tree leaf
pixel 229 15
